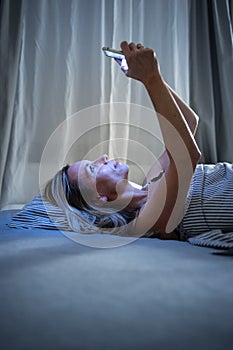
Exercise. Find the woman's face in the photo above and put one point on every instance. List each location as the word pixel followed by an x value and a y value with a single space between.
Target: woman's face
pixel 101 175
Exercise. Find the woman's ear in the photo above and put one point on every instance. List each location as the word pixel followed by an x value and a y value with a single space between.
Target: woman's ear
pixel 101 200
pixel 104 199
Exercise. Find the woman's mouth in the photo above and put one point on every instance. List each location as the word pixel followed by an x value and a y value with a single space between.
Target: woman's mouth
pixel 116 164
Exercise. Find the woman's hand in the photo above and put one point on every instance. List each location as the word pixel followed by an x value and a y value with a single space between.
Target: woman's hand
pixel 142 63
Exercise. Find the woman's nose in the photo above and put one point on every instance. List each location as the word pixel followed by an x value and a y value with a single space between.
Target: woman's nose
pixel 101 159
pixel 105 158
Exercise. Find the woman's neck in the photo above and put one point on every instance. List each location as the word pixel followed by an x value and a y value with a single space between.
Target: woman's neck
pixel 138 200
pixel 129 197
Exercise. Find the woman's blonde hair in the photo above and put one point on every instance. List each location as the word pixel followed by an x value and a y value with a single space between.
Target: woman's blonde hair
pixel 81 216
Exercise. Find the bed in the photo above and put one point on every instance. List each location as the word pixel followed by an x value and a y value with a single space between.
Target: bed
pixel 147 294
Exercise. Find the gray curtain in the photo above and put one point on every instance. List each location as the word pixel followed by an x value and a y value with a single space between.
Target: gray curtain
pixel 211 76
pixel 51 66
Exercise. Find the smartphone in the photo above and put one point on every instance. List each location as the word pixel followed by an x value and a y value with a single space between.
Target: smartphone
pixel 118 55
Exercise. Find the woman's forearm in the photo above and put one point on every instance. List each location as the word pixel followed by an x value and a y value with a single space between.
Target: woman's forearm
pixel 190 116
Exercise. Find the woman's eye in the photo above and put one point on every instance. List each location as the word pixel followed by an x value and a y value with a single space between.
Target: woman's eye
pixel 92 168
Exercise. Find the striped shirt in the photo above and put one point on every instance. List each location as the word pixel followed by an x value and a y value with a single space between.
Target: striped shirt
pixel 209 203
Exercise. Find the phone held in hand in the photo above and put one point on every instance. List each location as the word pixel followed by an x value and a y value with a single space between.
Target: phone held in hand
pixel 118 55
pixel 113 53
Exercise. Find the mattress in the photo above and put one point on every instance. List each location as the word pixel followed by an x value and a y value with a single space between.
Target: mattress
pixel 147 294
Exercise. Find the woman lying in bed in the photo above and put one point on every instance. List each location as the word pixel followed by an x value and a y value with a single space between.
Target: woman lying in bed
pixel 174 194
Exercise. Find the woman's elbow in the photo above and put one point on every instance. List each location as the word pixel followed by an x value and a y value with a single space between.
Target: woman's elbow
pixel 195 122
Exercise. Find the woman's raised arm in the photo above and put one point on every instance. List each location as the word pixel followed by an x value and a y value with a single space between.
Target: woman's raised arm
pixel 165 203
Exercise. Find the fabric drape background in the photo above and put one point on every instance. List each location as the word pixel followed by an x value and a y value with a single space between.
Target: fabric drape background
pixel 51 66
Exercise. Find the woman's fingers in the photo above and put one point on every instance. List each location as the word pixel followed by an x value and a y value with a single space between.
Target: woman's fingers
pixel 140 46
pixel 132 46
pixel 125 48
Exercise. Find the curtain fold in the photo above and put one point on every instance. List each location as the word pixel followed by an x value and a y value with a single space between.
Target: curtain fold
pixel 10 50
pixel 52 68
pixel 211 72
